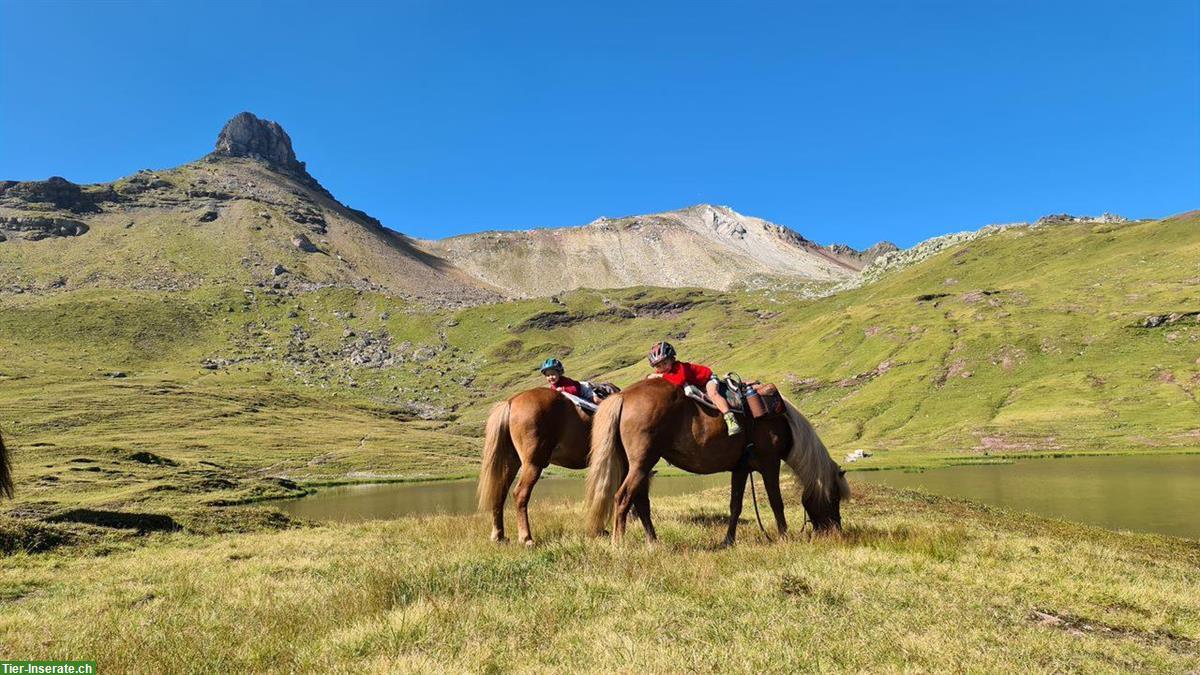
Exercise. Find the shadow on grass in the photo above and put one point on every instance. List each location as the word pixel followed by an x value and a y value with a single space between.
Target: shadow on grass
pixel 710 518
pixel 938 544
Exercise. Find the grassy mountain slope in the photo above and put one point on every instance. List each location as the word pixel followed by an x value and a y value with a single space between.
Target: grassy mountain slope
pixel 1029 340
pixel 218 221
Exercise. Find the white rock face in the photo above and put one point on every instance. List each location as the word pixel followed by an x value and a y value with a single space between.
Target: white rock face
pixel 704 245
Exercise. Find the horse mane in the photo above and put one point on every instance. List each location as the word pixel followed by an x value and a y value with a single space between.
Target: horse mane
pixel 809 459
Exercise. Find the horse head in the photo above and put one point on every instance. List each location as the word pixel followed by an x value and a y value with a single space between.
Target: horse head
pixel 823 501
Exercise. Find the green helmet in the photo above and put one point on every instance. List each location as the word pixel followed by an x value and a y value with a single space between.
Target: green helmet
pixel 552 364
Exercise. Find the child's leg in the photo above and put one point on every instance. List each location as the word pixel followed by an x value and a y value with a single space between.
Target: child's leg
pixel 714 393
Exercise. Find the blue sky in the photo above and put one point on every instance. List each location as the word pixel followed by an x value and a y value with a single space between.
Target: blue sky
pixel 850 122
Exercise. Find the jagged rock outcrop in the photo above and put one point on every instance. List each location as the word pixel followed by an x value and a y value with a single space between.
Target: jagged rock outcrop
pixel 248 136
pixel 303 243
pixel 1160 320
pixel 860 259
pixel 56 193
pixel 1066 219
pixel 35 228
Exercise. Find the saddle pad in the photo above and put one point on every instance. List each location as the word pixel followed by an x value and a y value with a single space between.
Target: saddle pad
pixel 587 406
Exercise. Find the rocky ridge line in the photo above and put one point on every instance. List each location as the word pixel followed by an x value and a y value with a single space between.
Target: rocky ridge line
pixel 898 259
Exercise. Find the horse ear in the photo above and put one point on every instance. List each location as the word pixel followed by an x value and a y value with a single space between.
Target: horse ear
pixel 841 472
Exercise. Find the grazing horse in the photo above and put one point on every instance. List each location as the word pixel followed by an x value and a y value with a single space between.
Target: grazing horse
pixel 6 483
pixel 528 432
pixel 653 419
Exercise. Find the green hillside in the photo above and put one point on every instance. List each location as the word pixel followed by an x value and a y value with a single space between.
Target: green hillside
pixel 1030 340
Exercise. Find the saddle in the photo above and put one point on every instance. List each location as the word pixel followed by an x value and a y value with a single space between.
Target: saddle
pixel 734 401
pixel 753 398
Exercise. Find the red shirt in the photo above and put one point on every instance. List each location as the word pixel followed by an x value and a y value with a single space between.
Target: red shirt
pixel 567 385
pixel 688 373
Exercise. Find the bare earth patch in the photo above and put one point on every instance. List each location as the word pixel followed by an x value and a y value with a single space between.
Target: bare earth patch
pixel 1005 444
pixel 1080 626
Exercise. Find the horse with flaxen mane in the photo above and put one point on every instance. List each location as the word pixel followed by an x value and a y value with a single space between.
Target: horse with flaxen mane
pixel 653 419
pixel 6 483
pixel 528 432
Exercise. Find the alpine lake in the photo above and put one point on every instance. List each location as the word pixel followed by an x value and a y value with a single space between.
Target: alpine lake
pixel 1144 493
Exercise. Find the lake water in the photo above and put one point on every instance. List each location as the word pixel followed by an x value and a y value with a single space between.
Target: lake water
pixel 1146 493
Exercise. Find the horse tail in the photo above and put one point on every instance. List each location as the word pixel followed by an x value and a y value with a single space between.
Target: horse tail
pixel 607 464
pixel 822 482
pixel 500 459
pixel 6 482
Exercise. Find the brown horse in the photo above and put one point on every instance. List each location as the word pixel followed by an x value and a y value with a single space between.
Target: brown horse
pixel 6 482
pixel 653 419
pixel 528 432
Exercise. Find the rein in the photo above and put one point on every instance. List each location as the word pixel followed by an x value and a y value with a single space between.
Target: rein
pixel 749 423
pixel 757 516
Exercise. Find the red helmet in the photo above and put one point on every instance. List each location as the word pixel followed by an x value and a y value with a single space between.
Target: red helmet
pixel 660 352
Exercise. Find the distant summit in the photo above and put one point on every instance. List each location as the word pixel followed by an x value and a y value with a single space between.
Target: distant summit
pixel 248 136
pixel 703 245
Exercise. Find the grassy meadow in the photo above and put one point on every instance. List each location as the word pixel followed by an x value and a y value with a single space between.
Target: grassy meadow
pixel 916 583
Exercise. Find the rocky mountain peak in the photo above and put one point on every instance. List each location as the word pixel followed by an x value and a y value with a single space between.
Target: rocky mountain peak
pixel 1067 218
pixel 860 259
pixel 248 136
pixel 702 245
pixel 871 253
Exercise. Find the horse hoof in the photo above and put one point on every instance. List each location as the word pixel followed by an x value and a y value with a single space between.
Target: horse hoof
pixel 728 543
pixel 498 538
pixel 528 543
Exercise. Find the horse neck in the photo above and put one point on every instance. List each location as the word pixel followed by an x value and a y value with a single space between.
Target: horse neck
pixel 808 458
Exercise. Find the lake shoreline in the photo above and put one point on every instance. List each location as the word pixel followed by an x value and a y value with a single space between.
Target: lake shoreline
pixel 347 502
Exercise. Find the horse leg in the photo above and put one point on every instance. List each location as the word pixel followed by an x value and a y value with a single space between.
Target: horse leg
pixel 619 512
pixel 635 483
pixel 641 504
pixel 497 505
pixel 737 491
pixel 529 477
pixel 775 496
